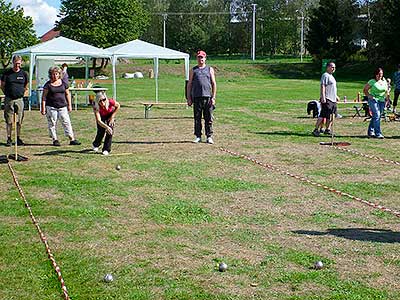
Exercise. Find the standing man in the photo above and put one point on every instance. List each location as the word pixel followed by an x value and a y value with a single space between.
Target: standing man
pixel 396 80
pixel 14 84
pixel 328 99
pixel 201 91
pixel 64 74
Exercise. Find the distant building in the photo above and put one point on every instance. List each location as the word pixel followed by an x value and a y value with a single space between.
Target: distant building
pixel 49 35
pixel 58 60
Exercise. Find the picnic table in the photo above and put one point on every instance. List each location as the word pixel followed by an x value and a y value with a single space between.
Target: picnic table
pixel 358 106
pixel 74 92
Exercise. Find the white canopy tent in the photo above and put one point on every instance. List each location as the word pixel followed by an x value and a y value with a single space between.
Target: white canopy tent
pixel 143 50
pixel 59 46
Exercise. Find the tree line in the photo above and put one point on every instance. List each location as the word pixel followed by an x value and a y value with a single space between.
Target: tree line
pixel 332 28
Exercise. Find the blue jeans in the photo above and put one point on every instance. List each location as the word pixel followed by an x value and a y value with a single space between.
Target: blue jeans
pixel 376 108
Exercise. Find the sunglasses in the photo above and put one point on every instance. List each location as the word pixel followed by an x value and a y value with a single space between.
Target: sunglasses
pixel 103 99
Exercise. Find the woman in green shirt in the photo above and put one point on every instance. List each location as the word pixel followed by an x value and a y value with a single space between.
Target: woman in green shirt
pixel 376 90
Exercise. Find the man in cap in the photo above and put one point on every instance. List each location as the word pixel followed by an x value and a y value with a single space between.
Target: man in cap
pixel 201 92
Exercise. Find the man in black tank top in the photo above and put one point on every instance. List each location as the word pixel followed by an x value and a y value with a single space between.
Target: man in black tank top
pixel 201 91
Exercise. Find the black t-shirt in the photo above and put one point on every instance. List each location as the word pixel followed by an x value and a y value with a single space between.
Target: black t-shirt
pixel 14 83
pixel 56 95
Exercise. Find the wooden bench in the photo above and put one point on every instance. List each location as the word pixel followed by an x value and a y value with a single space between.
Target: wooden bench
pixel 149 105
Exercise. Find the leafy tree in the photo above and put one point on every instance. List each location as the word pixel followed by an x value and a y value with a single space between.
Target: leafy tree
pixel 218 26
pixel 102 23
pixel 384 36
pixel 279 27
pixel 332 29
pixel 16 31
pixel 154 33
pixel 184 31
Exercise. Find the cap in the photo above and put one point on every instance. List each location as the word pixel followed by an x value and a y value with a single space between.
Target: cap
pixel 201 53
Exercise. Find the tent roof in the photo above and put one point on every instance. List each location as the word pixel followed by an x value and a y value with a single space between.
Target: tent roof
pixel 63 47
pixel 140 49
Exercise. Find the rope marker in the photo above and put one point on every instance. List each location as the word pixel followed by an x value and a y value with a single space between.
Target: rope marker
pixel 304 179
pixel 41 234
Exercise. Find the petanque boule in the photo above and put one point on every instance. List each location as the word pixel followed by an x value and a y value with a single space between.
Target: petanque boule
pixel 318 265
pixel 108 278
pixel 118 167
pixel 222 267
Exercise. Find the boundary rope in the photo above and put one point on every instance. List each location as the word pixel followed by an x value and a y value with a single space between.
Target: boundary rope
pixel 304 179
pixel 367 155
pixel 42 236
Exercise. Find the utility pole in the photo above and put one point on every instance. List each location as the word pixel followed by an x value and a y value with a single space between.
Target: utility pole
pixel 165 16
pixel 253 45
pixel 301 35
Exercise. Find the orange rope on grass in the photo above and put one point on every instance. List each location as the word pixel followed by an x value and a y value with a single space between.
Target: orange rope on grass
pixel 304 179
pixel 42 236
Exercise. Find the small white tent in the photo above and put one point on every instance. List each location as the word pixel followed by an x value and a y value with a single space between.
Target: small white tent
pixel 59 46
pixel 144 50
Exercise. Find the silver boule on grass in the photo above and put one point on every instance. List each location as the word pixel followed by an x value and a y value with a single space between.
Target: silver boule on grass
pixel 108 278
pixel 118 167
pixel 318 265
pixel 222 267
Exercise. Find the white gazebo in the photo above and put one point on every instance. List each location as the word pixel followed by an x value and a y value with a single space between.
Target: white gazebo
pixel 143 50
pixel 60 46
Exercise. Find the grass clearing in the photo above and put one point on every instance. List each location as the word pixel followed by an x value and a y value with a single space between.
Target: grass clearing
pixel 175 210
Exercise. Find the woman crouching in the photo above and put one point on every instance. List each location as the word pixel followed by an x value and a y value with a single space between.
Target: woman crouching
pixel 104 110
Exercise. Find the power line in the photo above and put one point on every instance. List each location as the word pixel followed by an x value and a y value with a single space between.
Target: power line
pixel 201 13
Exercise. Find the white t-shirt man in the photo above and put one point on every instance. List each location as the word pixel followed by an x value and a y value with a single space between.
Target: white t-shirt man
pixel 330 86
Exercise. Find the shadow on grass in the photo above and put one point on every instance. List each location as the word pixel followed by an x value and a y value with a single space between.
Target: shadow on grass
pixel 152 142
pixel 159 118
pixel 358 234
pixel 58 152
pixel 25 145
pixel 359 72
pixel 294 133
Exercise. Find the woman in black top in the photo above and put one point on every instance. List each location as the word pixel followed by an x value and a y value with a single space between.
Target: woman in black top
pixel 56 105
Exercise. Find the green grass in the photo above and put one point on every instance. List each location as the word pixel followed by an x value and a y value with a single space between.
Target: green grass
pixel 175 210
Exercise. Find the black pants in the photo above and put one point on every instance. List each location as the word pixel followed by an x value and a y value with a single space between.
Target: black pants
pixel 99 137
pixel 203 108
pixel 396 97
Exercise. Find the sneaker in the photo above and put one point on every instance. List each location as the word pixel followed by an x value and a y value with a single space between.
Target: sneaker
pixel 315 132
pixel 197 140
pixel 9 142
pixel 380 136
pixel 105 153
pixel 371 135
pixel 321 130
pixel 20 142
pixel 210 140
pixel 74 142
pixel 95 149
pixel 327 132
pixel 56 143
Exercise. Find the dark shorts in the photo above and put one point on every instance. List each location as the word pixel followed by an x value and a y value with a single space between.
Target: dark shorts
pixel 9 110
pixel 327 109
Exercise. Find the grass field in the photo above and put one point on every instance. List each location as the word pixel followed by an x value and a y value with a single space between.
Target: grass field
pixel 175 210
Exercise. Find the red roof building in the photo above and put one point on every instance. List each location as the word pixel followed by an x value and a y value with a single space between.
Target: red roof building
pixel 49 35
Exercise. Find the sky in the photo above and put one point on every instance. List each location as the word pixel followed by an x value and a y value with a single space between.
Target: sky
pixel 43 12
